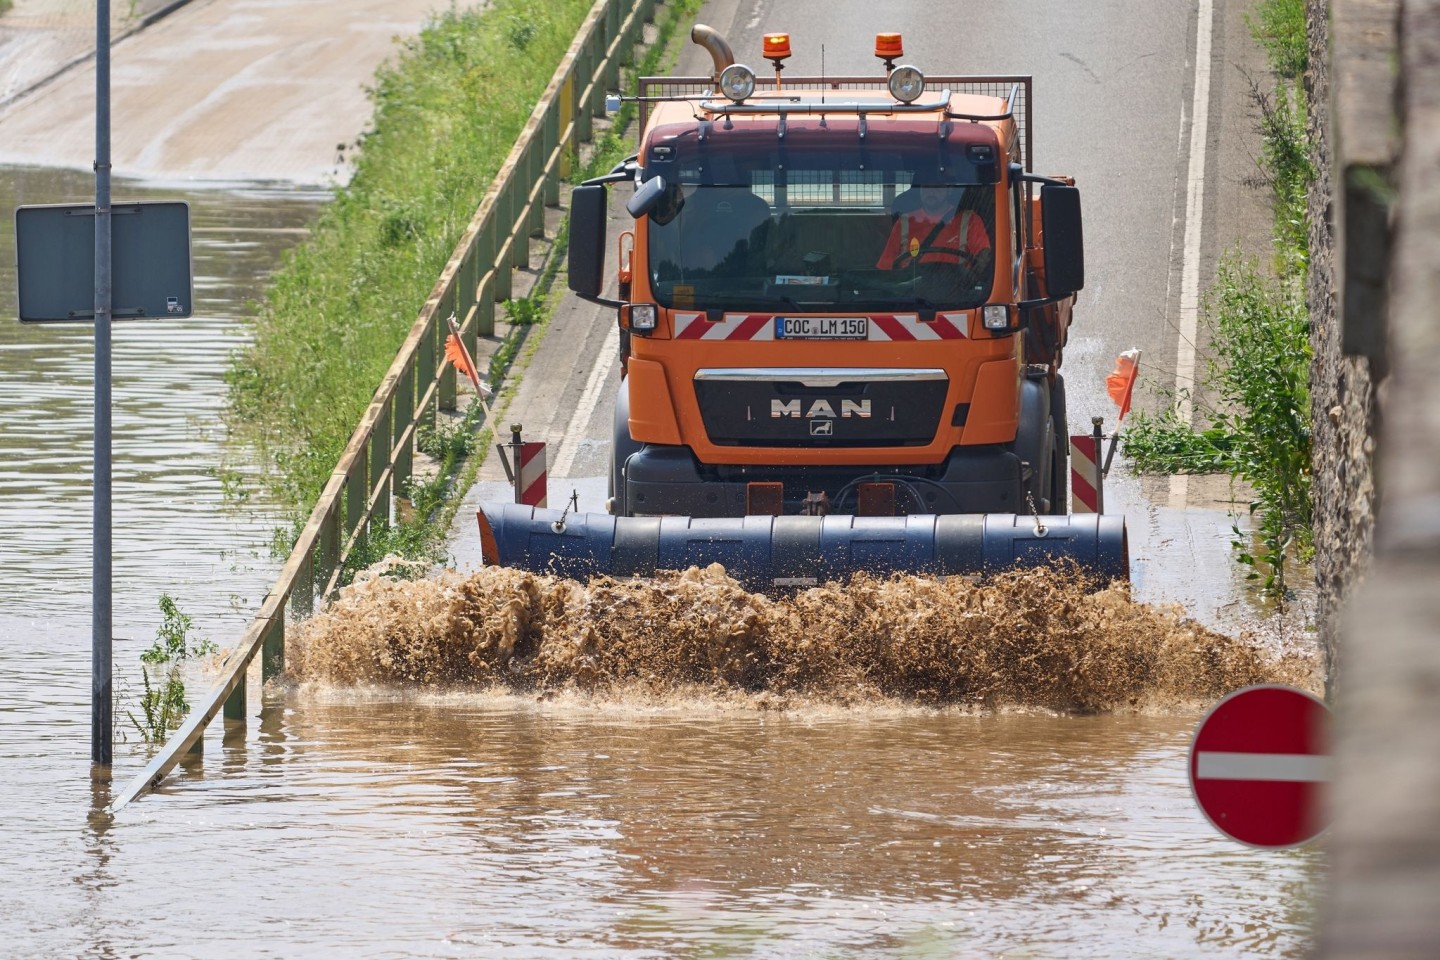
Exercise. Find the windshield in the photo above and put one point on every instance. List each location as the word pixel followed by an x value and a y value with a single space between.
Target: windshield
pixel 817 231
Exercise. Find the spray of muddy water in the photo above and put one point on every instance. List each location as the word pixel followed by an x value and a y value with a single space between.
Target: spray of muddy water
pixel 1037 638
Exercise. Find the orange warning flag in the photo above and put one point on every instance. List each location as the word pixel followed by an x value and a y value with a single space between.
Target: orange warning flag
pixel 456 353
pixel 1121 382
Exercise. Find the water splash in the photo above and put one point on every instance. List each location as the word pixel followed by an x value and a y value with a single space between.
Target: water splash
pixel 1037 638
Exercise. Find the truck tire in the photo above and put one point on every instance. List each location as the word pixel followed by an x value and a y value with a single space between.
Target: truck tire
pixel 622 447
pixel 1034 443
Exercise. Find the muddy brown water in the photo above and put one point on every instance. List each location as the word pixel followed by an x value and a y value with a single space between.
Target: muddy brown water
pixel 494 765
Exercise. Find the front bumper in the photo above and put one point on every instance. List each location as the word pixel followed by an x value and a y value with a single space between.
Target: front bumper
pixel 668 480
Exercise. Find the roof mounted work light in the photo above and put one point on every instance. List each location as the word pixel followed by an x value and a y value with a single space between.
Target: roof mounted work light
pixel 906 83
pixel 737 82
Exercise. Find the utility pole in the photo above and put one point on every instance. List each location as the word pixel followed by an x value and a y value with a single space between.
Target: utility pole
pixel 102 733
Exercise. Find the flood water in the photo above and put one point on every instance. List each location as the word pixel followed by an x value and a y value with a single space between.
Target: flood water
pixel 400 820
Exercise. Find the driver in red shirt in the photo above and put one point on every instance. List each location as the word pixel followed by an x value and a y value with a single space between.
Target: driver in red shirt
pixel 933 232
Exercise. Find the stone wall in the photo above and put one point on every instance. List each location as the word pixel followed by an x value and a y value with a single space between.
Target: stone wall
pixel 1384 844
pixel 1342 387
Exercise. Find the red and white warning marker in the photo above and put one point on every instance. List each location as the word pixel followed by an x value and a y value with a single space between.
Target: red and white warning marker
pixel 1259 766
pixel 1085 476
pixel 532 485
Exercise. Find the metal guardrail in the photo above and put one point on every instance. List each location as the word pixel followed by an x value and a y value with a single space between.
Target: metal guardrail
pixel 380 455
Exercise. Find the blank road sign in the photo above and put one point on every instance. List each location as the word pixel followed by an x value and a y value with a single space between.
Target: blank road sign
pixel 150 261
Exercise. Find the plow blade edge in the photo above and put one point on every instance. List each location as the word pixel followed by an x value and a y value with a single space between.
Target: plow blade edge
pixel 763 552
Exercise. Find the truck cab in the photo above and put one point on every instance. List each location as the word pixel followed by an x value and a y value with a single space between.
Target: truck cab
pixel 842 295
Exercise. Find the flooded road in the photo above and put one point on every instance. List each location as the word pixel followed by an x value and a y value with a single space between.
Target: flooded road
pixel 171 531
pixel 465 825
pixel 395 819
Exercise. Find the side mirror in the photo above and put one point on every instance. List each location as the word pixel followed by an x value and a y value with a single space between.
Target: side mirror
pixel 1064 240
pixel 650 193
pixel 588 209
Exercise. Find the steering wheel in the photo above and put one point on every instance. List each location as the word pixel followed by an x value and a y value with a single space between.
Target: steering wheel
pixel 970 260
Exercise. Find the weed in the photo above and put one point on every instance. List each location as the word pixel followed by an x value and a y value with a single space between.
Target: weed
pixel 6 5
pixel 520 32
pixel 525 311
pixel 1259 428
pixel 1279 27
pixel 163 704
pixel 412 540
pixel 1259 431
pixel 448 441
pixel 1286 168
pixel 524 314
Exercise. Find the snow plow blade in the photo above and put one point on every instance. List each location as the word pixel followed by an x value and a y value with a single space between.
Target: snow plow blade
pixel 764 552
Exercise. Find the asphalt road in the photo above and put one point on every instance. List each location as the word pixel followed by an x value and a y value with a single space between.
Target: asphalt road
pixel 1161 151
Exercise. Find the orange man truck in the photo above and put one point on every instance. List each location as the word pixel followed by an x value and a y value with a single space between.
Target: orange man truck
pixel 842 307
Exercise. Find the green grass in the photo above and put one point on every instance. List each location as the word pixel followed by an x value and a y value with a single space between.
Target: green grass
pixel 447 112
pixel 6 5
pixel 1279 26
pixel 1258 326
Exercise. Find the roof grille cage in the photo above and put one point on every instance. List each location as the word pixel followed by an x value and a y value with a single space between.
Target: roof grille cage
pixel 1014 90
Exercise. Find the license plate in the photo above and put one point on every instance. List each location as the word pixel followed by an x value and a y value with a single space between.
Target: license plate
pixel 822 328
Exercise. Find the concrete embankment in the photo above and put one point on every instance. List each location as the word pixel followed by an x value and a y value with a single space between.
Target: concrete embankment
pixel 220 90
pixel 41 40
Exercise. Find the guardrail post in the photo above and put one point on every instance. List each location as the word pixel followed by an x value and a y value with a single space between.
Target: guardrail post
pixel 597 86
pixel 520 234
pixel 612 64
pixel 427 357
pixel 272 651
pixel 302 595
pixel 552 143
pixel 235 703
pixel 402 438
pixel 379 460
pixel 583 119
pixel 535 175
pixel 565 117
pixel 329 544
pixel 467 278
pixel 485 319
pixel 356 492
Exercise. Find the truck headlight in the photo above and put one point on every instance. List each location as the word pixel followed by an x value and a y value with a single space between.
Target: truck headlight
pixel 642 316
pixel 996 316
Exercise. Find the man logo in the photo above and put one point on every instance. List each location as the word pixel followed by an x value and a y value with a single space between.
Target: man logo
pixel 819 408
pixel 822 428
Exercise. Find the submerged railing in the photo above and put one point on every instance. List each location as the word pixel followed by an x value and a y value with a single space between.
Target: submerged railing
pixel 378 460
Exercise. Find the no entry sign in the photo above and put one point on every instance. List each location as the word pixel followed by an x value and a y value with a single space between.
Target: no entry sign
pixel 1259 765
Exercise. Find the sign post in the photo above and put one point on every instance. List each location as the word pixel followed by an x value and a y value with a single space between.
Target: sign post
pixel 1259 766
pixel 102 733
pixel 66 270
